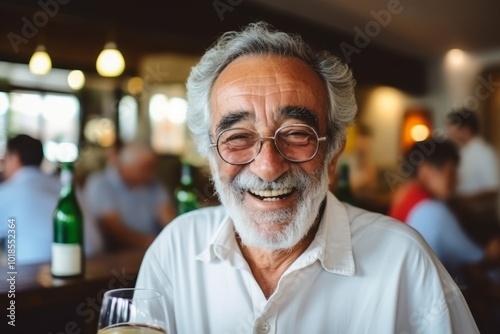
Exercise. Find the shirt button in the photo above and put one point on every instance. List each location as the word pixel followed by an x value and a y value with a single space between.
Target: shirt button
pixel 264 327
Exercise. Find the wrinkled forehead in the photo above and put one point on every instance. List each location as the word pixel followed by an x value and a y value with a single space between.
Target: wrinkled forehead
pixel 263 86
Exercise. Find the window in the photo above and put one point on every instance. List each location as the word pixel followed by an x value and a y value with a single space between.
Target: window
pixel 52 118
pixel 167 118
pixel 128 112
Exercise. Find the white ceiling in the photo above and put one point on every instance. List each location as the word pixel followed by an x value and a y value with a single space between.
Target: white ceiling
pixel 423 27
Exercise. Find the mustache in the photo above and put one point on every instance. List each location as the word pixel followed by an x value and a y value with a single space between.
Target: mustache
pixel 294 178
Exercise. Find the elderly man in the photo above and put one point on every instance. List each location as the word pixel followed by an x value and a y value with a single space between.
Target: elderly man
pixel 128 202
pixel 283 255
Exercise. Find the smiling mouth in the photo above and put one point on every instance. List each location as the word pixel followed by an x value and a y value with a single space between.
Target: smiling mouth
pixel 271 195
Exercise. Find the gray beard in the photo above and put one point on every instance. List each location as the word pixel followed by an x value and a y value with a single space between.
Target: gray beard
pixel 295 221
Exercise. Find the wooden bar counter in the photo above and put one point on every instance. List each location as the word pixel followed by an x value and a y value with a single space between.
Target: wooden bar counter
pixel 44 304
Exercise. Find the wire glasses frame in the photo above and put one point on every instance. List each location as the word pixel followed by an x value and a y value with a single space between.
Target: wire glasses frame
pixel 295 143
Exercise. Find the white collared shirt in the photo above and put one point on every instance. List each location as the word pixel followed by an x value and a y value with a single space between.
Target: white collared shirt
pixel 363 273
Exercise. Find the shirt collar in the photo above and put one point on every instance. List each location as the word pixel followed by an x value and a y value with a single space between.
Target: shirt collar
pixel 333 239
pixel 331 246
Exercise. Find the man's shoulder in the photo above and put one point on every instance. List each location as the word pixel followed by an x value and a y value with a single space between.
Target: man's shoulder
pixel 388 243
pixel 32 181
pixel 380 226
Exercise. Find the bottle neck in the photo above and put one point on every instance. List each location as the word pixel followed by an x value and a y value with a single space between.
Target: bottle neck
pixel 186 178
pixel 66 182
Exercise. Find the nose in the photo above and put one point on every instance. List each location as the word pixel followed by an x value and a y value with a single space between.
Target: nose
pixel 269 164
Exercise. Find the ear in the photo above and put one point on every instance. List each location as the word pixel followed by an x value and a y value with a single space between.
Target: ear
pixel 333 161
pixel 12 163
pixel 332 165
pixel 16 160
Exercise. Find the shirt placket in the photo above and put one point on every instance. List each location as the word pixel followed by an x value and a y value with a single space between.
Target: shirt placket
pixel 267 314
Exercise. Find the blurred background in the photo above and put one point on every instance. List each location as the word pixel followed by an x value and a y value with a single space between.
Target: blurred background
pixel 413 61
pixel 88 77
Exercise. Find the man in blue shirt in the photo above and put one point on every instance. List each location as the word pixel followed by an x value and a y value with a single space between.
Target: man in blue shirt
pixel 128 202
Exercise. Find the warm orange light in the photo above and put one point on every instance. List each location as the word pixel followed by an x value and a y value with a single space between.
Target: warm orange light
pixel 416 127
pixel 419 132
pixel 455 57
pixel 135 85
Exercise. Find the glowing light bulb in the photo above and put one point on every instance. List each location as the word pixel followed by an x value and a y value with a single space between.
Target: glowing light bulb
pixel 40 63
pixel 419 132
pixel 76 79
pixel 110 62
pixel 455 57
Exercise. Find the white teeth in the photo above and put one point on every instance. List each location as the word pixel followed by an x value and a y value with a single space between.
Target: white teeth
pixel 271 194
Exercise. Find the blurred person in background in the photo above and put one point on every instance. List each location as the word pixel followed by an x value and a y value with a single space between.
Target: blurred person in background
pixel 478 172
pixel 282 254
pixel 421 203
pixel 477 200
pixel 30 196
pixel 127 200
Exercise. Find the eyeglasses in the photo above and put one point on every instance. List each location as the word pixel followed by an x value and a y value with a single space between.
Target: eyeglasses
pixel 295 143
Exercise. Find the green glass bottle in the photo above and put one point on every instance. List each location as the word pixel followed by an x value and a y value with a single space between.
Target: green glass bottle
pixel 344 192
pixel 67 247
pixel 185 195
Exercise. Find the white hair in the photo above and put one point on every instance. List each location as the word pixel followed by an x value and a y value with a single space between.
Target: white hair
pixel 262 39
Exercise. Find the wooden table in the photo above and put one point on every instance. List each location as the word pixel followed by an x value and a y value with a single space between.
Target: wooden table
pixel 44 304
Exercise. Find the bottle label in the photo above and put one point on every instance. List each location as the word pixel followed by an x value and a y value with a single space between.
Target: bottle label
pixel 66 259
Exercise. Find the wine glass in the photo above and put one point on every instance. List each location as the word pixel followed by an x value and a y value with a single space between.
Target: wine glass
pixel 132 311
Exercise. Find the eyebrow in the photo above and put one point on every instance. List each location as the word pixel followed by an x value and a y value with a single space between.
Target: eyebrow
pixel 297 112
pixel 232 118
pixel 300 113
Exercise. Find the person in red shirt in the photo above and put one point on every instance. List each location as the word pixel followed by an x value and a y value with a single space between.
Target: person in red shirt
pixel 434 176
